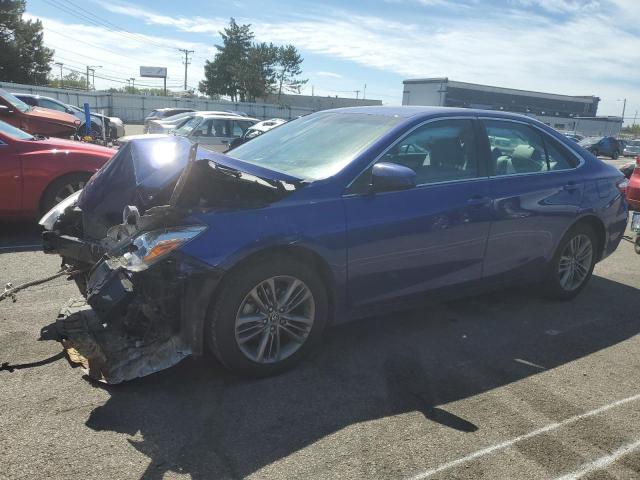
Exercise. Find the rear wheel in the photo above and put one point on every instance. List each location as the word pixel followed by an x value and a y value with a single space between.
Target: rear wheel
pixel 61 188
pixel 572 264
pixel 267 317
pixel 615 155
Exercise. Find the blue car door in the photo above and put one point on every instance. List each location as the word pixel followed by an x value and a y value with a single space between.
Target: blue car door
pixel 402 243
pixel 536 190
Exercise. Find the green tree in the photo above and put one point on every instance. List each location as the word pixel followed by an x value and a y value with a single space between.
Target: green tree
pixel 72 80
pixel 23 56
pixel 258 75
pixel 289 69
pixel 223 75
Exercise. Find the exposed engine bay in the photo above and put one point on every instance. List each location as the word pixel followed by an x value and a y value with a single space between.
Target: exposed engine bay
pixel 144 302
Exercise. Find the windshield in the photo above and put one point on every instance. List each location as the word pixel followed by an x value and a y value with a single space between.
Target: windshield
pixel 14 101
pixel 14 132
pixel 316 146
pixel 188 126
pixel 175 119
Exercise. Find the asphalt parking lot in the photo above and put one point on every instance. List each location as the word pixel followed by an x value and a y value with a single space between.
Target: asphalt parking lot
pixel 500 386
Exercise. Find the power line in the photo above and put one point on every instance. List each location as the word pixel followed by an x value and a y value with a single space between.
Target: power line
pixel 97 21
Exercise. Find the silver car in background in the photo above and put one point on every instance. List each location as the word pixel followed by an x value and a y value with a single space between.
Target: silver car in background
pixel 632 148
pixel 214 131
pixel 169 124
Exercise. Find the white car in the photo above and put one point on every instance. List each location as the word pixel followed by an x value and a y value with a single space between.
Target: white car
pixel 169 124
pixel 215 131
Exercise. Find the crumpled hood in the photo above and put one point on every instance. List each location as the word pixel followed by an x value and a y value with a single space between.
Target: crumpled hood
pixel 144 173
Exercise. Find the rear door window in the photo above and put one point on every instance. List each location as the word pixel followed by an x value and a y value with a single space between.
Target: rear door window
pixel 518 148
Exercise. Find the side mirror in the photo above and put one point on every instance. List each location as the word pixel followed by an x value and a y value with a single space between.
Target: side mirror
pixel 4 110
pixel 387 177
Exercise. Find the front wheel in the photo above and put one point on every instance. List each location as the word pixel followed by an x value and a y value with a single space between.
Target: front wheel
pixel 573 263
pixel 267 317
pixel 61 188
pixel 615 155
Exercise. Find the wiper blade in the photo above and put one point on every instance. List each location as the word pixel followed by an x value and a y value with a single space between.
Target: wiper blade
pixel 38 136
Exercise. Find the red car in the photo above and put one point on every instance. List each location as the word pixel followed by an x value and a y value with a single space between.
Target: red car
pixel 36 120
pixel 633 188
pixel 38 172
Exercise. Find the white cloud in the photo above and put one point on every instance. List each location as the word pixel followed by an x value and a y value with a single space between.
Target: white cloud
pixel 582 50
pixel 328 74
pixel 121 55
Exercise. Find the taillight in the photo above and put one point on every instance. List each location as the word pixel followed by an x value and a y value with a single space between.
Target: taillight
pixel 622 186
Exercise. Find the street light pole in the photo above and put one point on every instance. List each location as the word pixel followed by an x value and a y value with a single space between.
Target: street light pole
pixel 133 84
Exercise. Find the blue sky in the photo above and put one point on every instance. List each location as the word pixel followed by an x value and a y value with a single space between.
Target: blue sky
pixel 576 47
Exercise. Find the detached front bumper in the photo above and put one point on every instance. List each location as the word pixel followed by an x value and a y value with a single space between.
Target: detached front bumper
pixel 132 324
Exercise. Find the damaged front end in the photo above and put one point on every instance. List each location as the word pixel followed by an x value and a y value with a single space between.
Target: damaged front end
pixel 144 300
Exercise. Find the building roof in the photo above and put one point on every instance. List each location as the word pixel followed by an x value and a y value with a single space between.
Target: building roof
pixel 511 91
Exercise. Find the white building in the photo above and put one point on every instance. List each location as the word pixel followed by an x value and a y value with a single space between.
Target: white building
pixel 562 112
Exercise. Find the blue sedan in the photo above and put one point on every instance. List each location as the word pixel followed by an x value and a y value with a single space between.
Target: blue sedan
pixel 334 216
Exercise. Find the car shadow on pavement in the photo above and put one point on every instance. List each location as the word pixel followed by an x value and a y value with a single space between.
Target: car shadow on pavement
pixel 20 236
pixel 198 419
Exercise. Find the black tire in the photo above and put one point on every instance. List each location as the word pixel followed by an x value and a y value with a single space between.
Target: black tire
pixel 221 320
pixel 595 152
pixel 552 286
pixel 58 189
pixel 615 155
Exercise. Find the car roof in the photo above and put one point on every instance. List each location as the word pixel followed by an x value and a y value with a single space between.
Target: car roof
pixel 407 112
pixel 226 116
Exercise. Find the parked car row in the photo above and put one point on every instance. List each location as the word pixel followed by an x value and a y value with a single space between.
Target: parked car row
pixel 217 130
pixel 40 115
pixel 111 127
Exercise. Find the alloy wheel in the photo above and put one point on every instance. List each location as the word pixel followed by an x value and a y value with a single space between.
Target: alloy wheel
pixel 575 262
pixel 274 319
pixel 67 190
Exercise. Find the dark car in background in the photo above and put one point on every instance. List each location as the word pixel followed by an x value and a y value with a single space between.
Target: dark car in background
pixel 160 113
pixel 605 146
pixel 36 120
pixel 338 215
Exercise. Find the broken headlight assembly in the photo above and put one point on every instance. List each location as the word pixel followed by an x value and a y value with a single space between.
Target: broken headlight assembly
pixel 152 246
pixel 49 218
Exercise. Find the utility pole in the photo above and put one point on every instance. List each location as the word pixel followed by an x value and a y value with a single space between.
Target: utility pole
pixel 364 92
pixel 635 117
pixel 92 69
pixel 357 94
pixel 133 85
pixel 186 64
pixel 61 81
pixel 624 107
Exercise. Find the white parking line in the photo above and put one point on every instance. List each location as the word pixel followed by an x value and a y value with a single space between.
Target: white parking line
pixel 508 443
pixel 601 462
pixel 18 247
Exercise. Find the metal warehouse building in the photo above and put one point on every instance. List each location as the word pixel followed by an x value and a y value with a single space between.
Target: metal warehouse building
pixel 562 112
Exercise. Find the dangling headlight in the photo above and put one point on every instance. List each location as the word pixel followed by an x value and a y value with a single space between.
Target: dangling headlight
pixel 152 246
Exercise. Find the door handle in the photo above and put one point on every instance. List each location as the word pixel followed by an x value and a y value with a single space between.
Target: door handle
pixel 478 201
pixel 570 187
